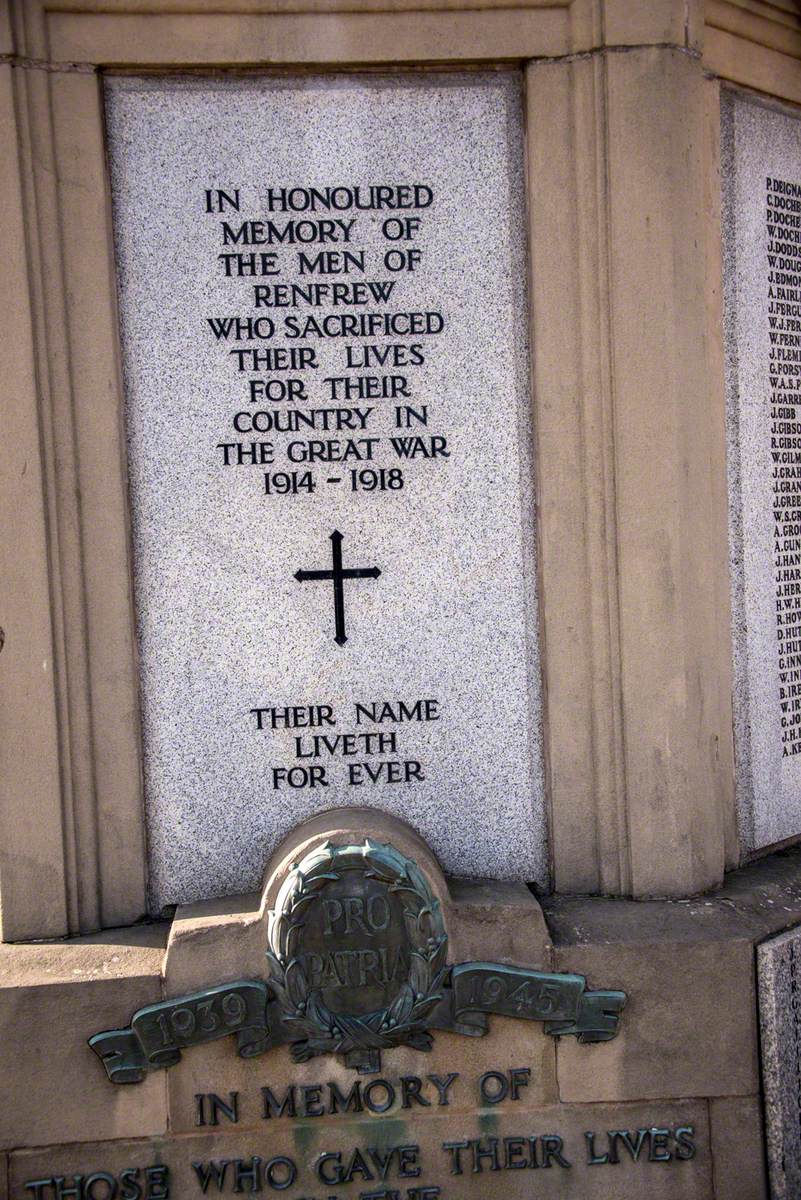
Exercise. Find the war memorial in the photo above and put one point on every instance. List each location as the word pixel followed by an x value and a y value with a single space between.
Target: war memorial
pixel 400 667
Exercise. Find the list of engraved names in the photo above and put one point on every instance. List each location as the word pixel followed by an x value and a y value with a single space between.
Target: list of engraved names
pixel 783 295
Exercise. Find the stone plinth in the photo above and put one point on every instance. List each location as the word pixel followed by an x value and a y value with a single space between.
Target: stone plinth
pixel 663 1119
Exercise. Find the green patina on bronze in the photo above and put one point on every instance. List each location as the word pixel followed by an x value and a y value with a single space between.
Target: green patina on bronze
pixel 357 895
pixel 357 960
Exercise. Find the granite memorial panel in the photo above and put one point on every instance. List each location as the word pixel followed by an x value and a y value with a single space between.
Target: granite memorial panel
pixel 779 973
pixel 323 313
pixel 762 278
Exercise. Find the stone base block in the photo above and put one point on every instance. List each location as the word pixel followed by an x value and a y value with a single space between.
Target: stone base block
pixel 588 1151
pixel 669 1108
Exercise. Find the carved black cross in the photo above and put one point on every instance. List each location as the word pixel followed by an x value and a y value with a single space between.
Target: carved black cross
pixel 337 574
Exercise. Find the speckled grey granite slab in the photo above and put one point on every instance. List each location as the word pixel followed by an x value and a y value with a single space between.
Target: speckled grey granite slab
pixel 763 359
pixel 224 626
pixel 779 975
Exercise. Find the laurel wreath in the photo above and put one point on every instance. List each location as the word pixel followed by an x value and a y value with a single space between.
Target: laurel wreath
pixel 303 1009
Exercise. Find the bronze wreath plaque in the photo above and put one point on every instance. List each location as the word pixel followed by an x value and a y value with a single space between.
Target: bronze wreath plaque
pixel 357 953
pixel 357 959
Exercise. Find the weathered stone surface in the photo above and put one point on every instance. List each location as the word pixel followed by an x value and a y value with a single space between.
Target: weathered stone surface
pixel 761 151
pixel 633 945
pixel 215 939
pixel 217 942
pixel 688 971
pixel 227 939
pixel 500 919
pixel 779 972
pixel 429 1173
pixel 617 943
pixel 52 999
pixel 738 1148
pixel 649 618
pixel 509 1045
pixel 225 627
pixel 31 851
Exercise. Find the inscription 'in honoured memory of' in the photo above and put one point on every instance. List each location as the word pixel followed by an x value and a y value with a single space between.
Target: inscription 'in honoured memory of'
pixel 323 318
